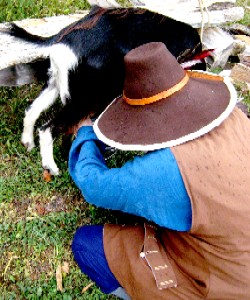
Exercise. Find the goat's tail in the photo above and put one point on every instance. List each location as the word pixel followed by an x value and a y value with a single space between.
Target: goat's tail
pixel 29 64
pixel 20 33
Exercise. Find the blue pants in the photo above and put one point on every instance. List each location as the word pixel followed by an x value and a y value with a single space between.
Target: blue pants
pixel 87 247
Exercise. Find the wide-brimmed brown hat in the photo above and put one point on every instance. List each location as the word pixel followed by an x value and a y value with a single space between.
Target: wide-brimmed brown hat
pixel 162 105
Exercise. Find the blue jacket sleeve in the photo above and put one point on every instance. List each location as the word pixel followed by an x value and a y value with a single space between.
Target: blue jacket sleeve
pixel 149 186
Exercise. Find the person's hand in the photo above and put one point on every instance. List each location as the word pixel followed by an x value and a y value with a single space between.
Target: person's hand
pixel 84 122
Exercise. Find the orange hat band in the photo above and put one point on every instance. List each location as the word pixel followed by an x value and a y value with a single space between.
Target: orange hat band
pixel 172 90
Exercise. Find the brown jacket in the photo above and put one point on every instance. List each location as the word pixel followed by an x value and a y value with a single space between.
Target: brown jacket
pixel 212 261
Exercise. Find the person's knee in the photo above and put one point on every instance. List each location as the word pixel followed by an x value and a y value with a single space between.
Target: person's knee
pixel 84 237
pixel 79 240
pixel 88 251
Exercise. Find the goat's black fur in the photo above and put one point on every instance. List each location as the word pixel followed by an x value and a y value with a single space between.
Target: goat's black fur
pixel 99 41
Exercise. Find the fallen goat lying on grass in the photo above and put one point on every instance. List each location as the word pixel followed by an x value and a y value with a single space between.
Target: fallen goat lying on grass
pixel 85 63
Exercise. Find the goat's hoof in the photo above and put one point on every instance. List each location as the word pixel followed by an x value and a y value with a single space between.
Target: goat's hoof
pixel 29 145
pixel 52 170
pixel 55 172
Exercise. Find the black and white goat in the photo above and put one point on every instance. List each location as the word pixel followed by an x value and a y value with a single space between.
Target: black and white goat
pixel 86 65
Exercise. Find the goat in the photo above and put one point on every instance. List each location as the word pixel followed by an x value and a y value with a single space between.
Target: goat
pixel 86 66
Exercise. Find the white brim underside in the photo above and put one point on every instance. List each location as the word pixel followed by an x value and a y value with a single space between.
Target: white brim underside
pixel 181 140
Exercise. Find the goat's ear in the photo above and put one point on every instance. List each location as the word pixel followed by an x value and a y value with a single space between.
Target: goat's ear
pixel 21 74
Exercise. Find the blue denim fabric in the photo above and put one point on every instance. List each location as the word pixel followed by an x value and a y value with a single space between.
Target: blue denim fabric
pixel 87 247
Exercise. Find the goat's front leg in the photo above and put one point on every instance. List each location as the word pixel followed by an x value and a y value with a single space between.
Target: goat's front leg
pixel 41 103
pixel 46 150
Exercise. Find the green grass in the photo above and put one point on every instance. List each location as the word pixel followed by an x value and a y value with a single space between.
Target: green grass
pixel 246 19
pixel 38 219
pixel 11 10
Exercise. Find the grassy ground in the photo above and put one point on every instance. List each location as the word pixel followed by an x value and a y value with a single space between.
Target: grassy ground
pixel 38 219
pixel 244 3
pixel 11 10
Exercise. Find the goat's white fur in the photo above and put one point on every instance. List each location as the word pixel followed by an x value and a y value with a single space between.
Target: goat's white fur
pixel 44 101
pixel 46 150
pixel 62 60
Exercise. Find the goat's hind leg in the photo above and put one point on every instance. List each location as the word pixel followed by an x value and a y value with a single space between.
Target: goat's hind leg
pixel 46 98
pixel 46 150
pixel 62 123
